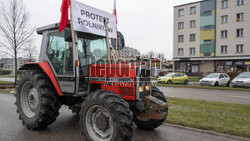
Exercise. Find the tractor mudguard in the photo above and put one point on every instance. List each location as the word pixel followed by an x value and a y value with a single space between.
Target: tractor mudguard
pixel 47 70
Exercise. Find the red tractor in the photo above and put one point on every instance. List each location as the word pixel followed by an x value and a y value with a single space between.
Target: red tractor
pixel 108 97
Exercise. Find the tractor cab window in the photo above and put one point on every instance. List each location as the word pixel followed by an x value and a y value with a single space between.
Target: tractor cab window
pixel 60 54
pixel 90 49
pixel 93 49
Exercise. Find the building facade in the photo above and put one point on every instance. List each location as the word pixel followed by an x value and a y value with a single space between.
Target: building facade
pixel 212 36
pixel 10 63
pixel 128 53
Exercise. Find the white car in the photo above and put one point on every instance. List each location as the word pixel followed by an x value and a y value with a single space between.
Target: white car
pixel 242 80
pixel 216 79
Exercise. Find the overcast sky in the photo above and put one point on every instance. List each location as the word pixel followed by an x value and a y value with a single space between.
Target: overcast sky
pixel 146 24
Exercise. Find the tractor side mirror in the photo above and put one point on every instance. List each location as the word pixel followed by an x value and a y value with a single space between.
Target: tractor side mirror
pixel 67 35
pixel 120 41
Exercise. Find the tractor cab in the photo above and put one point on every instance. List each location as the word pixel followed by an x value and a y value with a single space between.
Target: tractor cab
pixel 57 50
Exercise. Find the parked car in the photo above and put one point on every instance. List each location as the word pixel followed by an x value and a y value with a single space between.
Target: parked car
pixel 216 79
pixel 174 78
pixel 242 80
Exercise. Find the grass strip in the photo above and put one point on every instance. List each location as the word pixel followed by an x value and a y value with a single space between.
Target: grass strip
pixel 203 87
pixel 8 91
pixel 6 82
pixel 221 117
pixel 194 79
pixel 10 76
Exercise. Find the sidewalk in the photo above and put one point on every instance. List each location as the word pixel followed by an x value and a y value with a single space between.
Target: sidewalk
pixel 7 79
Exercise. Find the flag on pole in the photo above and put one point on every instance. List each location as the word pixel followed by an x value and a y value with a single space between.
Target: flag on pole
pixel 65 14
pixel 114 11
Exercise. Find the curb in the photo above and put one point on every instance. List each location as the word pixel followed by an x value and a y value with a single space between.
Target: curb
pixel 247 90
pixel 207 132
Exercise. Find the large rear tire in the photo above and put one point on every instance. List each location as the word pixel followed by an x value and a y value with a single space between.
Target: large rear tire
pixel 36 99
pixel 150 124
pixel 105 116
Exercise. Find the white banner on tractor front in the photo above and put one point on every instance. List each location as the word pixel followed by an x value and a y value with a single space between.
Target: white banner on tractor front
pixel 91 20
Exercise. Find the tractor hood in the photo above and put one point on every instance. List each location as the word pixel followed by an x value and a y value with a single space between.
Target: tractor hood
pixel 112 70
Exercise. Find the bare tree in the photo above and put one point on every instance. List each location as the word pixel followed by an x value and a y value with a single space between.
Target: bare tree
pixel 151 54
pixel 30 51
pixel 161 56
pixel 15 28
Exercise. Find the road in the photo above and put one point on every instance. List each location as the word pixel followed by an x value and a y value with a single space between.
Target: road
pixel 66 128
pixel 207 94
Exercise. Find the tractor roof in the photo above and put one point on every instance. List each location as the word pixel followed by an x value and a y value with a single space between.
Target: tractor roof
pixel 50 27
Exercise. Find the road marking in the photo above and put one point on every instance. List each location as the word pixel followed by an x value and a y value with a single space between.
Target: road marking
pixel 238 96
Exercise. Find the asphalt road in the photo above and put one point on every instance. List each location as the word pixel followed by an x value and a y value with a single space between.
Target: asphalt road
pixel 66 128
pixel 208 94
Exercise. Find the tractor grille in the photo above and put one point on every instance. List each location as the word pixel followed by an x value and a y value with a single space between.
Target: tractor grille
pixel 126 91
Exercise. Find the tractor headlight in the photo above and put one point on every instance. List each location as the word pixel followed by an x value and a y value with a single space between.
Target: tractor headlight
pixel 147 88
pixel 141 89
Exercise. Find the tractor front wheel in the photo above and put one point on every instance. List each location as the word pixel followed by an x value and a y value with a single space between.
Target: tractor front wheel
pixel 36 99
pixel 150 124
pixel 106 116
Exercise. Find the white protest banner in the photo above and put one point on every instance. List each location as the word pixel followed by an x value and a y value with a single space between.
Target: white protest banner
pixel 91 20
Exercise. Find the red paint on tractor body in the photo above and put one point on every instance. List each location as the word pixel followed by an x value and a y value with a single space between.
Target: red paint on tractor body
pixel 126 90
pixel 46 68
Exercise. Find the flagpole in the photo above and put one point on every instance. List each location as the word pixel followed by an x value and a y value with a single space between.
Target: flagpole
pixel 116 46
pixel 72 32
pixel 107 39
pixel 76 61
pixel 116 43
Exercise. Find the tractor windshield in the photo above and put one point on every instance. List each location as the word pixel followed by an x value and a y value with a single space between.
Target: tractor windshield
pixel 92 48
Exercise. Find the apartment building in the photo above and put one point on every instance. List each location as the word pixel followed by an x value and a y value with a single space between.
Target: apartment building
pixel 212 36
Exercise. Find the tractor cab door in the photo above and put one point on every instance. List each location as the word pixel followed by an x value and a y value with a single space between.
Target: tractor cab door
pixel 60 56
pixel 91 48
pixel 83 56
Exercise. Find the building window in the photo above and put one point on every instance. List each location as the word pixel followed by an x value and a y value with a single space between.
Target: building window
pixel 208 27
pixel 180 51
pixel 240 2
pixel 192 51
pixel 192 37
pixel 208 13
pixel 240 17
pixel 181 38
pixel 223 49
pixel 224 4
pixel 240 32
pixel 224 34
pixel 181 12
pixel 207 41
pixel 192 10
pixel 224 19
pixel 192 24
pixel 181 25
pixel 239 48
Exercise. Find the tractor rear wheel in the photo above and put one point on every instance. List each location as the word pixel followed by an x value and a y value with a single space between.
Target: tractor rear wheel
pixel 105 116
pixel 150 124
pixel 36 99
